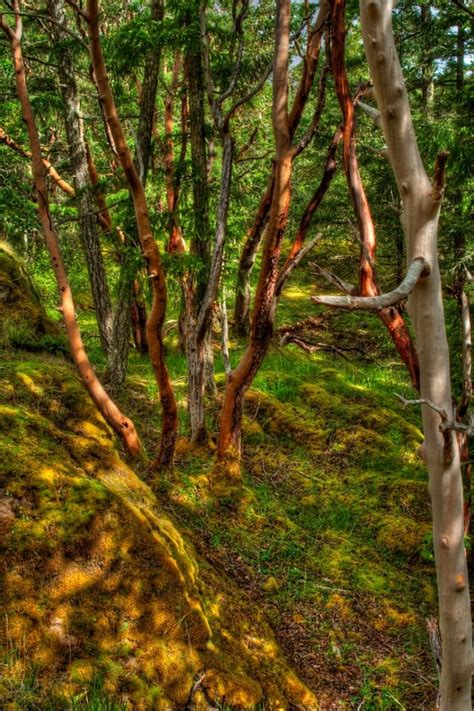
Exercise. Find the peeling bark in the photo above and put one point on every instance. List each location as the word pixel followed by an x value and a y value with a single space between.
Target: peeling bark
pixel 261 333
pixel 121 424
pixel 148 244
pixel 255 234
pixel 368 284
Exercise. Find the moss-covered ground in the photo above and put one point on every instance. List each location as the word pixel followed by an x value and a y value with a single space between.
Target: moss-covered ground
pixel 126 589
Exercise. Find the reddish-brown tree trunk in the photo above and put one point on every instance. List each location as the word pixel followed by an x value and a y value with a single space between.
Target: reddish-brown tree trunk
pixel 50 170
pixel 255 234
pixel 148 244
pixel 261 333
pixel 121 424
pixel 368 284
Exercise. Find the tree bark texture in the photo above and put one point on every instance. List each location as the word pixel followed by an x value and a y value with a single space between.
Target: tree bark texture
pixel 421 205
pixel 148 98
pixel 86 203
pixel 368 284
pixel 148 244
pixel 109 410
pixel 261 333
pixel 255 234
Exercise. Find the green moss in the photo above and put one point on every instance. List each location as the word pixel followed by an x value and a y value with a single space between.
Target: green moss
pixel 98 569
pixel 24 323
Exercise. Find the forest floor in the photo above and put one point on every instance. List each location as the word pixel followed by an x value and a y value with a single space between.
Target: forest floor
pixel 326 546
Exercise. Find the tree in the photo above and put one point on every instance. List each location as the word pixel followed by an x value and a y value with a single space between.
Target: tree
pixel 121 424
pixel 148 244
pixel 114 324
pixel 421 202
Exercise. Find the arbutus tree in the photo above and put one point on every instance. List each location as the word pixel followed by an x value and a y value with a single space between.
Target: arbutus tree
pixel 121 424
pixel 113 323
pixel 272 277
pixel 421 201
pixel 254 237
pixel 148 243
pixel 368 285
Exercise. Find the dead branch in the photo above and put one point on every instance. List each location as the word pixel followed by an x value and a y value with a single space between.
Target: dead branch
pixel 446 425
pixel 293 263
pixel 417 269
pixel 336 280
pixel 314 346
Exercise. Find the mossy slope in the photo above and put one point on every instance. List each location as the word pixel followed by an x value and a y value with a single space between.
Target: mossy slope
pixel 96 577
pixel 23 319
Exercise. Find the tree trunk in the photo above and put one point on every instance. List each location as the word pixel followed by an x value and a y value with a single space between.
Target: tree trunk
pixel 148 244
pixel 440 452
pixel 368 283
pixel 148 98
pixel 113 327
pixel 241 377
pixel 199 356
pixel 121 424
pixel 255 234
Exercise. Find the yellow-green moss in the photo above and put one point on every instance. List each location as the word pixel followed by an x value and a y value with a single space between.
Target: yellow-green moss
pixel 100 578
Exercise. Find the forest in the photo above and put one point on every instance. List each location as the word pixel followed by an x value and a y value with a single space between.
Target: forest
pixel 236 258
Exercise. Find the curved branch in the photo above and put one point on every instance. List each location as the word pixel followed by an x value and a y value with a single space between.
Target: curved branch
pixel 418 268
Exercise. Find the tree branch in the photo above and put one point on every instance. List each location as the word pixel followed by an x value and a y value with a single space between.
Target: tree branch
pixel 418 268
pixel 293 263
pixel 446 425
pixel 439 179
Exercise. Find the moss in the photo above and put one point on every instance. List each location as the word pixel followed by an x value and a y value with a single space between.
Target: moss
pixel 24 322
pixel 100 579
pixel 401 534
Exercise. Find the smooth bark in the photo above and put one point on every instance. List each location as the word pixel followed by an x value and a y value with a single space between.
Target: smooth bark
pixel 391 317
pixel 255 234
pixel 121 424
pixel 148 244
pixel 241 377
pixel 421 205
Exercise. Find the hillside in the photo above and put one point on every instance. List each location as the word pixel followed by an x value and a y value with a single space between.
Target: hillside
pixel 307 585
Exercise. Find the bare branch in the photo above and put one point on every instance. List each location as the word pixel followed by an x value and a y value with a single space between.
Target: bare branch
pixel 293 263
pixel 301 145
pixel 424 401
pixel 418 268
pixel 253 92
pixel 239 19
pixel 259 85
pixel 462 7
pixel 374 114
pixel 337 281
pixel 313 347
pixel 78 10
pixel 446 425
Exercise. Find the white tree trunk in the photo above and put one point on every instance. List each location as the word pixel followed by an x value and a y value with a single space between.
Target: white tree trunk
pixel 421 204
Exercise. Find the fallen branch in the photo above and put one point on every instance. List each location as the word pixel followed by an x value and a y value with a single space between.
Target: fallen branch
pixel 313 347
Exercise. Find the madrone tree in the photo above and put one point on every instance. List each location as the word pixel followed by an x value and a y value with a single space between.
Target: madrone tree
pixel 421 202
